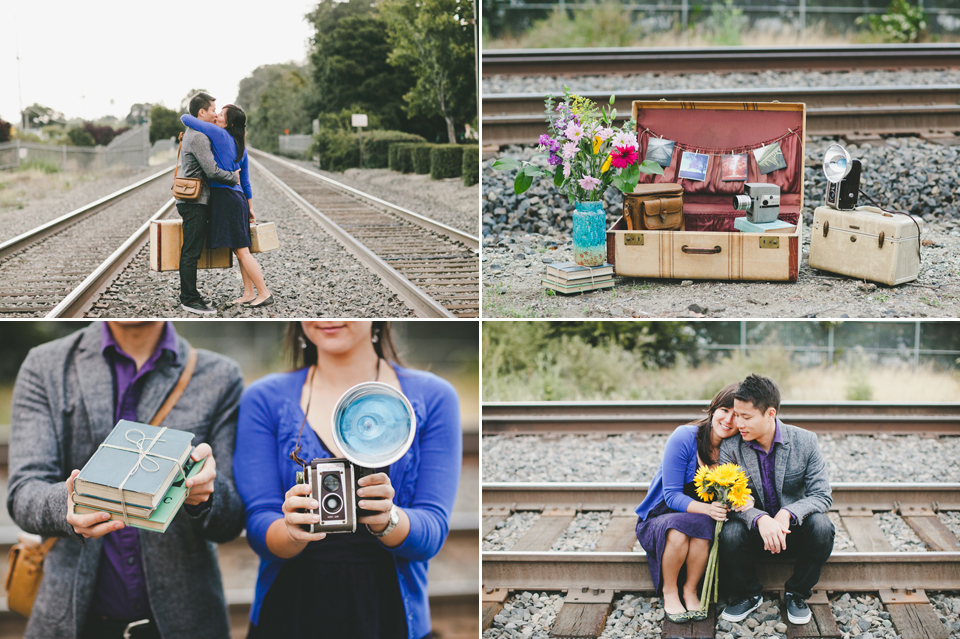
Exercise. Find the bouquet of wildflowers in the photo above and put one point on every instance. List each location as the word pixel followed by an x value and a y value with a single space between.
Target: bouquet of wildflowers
pixel 586 153
pixel 727 484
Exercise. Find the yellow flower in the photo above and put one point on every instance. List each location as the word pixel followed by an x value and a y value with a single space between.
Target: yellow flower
pixel 699 480
pixel 606 165
pixel 725 474
pixel 597 143
pixel 739 494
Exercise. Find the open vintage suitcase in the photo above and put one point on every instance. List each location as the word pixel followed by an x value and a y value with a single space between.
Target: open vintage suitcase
pixel 709 247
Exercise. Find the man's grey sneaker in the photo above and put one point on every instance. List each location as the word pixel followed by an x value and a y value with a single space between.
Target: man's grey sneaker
pixel 739 608
pixel 198 308
pixel 797 610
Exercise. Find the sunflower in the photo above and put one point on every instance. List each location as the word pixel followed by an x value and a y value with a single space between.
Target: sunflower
pixel 699 480
pixel 739 493
pixel 725 474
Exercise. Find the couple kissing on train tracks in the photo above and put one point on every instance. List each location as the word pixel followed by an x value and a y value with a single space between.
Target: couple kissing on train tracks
pixel 781 509
pixel 213 150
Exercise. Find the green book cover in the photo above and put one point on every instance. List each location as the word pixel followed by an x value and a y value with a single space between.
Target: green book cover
pixel 166 510
pixel 108 467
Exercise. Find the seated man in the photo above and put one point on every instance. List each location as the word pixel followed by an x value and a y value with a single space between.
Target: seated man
pixel 789 481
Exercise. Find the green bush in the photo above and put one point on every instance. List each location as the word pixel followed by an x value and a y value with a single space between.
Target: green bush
pixel 470 168
pixel 337 150
pixel 40 165
pixel 446 161
pixel 402 155
pixel 376 146
pixel 80 137
pixel 421 158
pixel 902 22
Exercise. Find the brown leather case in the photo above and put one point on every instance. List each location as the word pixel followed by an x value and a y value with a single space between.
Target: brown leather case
pixel 654 207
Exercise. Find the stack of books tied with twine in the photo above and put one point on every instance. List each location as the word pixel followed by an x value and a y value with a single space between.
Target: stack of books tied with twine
pixel 569 277
pixel 138 475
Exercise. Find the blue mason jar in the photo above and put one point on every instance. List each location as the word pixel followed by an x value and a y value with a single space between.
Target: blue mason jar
pixel 589 234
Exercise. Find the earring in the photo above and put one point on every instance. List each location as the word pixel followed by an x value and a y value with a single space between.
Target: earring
pixel 303 342
pixel 376 335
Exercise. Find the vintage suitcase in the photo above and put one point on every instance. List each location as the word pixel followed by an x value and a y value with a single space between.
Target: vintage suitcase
pixel 708 246
pixel 866 243
pixel 263 237
pixel 166 238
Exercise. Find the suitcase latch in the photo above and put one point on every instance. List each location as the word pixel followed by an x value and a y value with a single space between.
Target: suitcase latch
pixel 853 238
pixel 880 239
pixel 633 239
pixel 770 242
pixel 826 228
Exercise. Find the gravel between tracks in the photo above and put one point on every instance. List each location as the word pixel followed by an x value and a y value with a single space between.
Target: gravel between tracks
pixel 635 457
pixel 583 533
pixel 901 536
pixel 447 201
pixel 616 83
pixel 86 189
pixel 509 531
pixel 637 616
pixel 310 275
pixel 523 233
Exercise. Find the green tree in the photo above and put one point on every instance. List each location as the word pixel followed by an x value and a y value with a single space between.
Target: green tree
pixel 164 123
pixel 80 137
pixel 281 107
pixel 433 39
pixel 4 130
pixel 255 84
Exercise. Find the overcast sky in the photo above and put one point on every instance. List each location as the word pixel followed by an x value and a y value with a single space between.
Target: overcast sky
pixel 117 53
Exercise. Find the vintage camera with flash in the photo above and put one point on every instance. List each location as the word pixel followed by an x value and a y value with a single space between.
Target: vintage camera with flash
pixel 761 202
pixel 843 174
pixel 373 425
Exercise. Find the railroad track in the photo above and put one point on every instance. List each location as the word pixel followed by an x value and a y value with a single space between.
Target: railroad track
pixel 931 419
pixel 433 268
pixel 603 61
pixel 56 269
pixel 931 111
pixel 591 579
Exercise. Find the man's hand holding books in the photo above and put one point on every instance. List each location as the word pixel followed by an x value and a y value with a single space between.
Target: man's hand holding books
pixel 92 524
pixel 201 485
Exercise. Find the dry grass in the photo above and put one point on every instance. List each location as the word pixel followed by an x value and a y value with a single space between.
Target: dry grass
pixel 19 188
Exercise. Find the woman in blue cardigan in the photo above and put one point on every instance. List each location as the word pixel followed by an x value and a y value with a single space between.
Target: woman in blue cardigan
pixel 231 207
pixel 674 527
pixel 367 584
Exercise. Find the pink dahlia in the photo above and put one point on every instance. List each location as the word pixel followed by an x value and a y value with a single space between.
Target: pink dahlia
pixel 622 157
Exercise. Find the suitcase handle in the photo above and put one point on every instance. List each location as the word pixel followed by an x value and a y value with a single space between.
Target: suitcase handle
pixel 701 251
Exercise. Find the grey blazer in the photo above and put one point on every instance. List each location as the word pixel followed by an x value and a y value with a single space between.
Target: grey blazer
pixel 802 483
pixel 62 410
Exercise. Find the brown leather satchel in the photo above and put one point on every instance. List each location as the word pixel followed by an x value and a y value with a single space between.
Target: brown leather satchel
pixel 654 207
pixel 25 560
pixel 185 189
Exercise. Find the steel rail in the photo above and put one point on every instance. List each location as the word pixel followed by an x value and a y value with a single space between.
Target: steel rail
pixel 415 298
pixel 456 235
pixel 80 299
pixel 664 417
pixel 627 571
pixel 55 226
pixel 603 496
pixel 604 61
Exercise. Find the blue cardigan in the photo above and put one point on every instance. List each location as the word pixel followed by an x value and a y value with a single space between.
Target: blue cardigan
pixel 425 478
pixel 224 152
pixel 678 467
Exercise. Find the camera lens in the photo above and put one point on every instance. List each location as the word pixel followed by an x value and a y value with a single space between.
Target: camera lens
pixel 332 504
pixel 741 202
pixel 331 483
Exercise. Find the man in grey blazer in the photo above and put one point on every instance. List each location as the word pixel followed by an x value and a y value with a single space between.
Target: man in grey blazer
pixel 101 579
pixel 789 483
pixel 197 161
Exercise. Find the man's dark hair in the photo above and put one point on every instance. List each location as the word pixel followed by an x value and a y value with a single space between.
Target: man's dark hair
pixel 201 100
pixel 759 391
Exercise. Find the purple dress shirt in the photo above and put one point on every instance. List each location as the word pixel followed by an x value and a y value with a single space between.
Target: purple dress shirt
pixel 768 475
pixel 121 587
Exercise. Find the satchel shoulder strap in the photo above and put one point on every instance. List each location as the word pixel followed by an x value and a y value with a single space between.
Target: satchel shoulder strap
pixel 178 389
pixel 177 165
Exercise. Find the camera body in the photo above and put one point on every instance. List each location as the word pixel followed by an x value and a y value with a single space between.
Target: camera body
pixel 333 485
pixel 843 195
pixel 761 201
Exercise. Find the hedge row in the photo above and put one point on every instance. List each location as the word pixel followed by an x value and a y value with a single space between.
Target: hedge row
pixel 340 150
pixel 470 169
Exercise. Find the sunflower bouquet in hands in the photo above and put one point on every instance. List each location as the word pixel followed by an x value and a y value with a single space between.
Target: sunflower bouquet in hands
pixel 727 484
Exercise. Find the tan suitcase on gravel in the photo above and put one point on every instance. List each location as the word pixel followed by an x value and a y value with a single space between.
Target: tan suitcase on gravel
pixel 866 243
pixel 708 246
pixel 263 237
pixel 166 238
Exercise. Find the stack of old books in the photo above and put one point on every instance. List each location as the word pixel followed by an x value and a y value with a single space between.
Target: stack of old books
pixel 138 470
pixel 569 277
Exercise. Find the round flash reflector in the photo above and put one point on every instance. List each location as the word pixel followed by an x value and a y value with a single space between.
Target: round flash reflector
pixel 836 163
pixel 373 424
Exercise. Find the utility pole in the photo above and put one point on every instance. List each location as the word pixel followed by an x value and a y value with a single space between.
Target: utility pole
pixel 16 35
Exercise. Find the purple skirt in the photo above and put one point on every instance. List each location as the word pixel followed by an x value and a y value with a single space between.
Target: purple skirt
pixel 652 534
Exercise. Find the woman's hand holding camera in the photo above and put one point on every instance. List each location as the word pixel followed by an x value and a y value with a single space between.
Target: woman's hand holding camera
pixel 298 498
pixel 376 485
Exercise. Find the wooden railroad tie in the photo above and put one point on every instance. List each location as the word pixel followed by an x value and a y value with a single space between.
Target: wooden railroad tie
pixel 694 630
pixel 584 613
pixel 822 622
pixel 492 599
pixel 912 615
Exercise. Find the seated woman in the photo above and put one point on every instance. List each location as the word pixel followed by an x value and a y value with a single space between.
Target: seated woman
pixel 231 207
pixel 373 582
pixel 675 528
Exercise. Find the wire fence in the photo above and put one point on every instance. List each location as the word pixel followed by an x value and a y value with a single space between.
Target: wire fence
pixel 130 149
pixel 295 145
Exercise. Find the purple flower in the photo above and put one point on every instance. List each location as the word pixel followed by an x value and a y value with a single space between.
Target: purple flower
pixel 554 159
pixel 545 140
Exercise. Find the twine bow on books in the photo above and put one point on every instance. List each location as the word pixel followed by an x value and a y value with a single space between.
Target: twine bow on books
pixel 143 455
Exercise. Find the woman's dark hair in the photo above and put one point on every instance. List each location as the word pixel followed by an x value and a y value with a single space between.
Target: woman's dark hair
pixel 723 399
pixel 236 126
pixel 307 356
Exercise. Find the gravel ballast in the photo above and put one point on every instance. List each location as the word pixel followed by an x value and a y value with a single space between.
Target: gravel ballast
pixel 523 233
pixel 583 533
pixel 635 457
pixel 310 275
pixel 902 537
pixel 509 531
